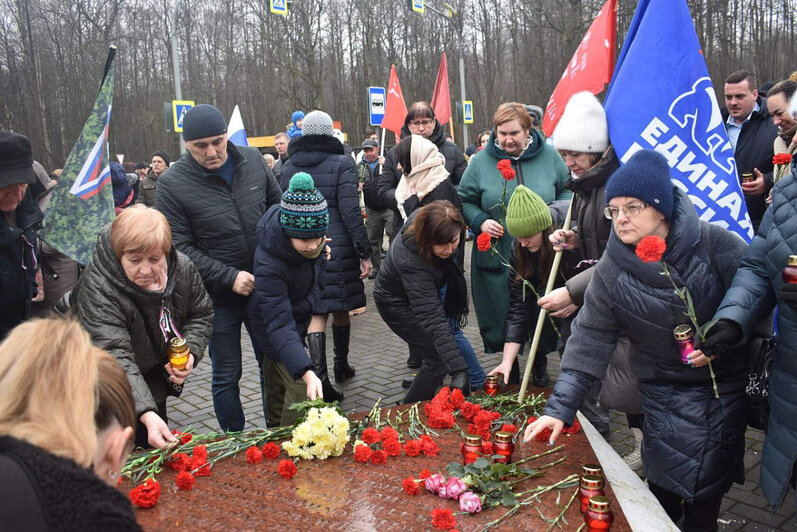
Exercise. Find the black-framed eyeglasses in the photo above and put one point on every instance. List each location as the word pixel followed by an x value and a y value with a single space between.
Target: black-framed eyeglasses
pixel 631 210
pixel 424 123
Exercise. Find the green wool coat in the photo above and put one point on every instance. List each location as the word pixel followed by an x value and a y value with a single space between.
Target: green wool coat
pixel 539 168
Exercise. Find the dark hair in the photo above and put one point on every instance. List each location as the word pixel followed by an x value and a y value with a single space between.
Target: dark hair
pixel 141 166
pixel 368 133
pixel 419 110
pixel 536 264
pixel 402 153
pixel 114 395
pixel 478 142
pixel 786 87
pixel 437 223
pixel 742 75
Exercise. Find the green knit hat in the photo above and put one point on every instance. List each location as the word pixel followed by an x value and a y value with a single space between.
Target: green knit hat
pixel 304 212
pixel 527 214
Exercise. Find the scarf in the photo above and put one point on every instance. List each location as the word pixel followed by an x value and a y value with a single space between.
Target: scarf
pixel 428 170
pixel 787 134
pixel 455 305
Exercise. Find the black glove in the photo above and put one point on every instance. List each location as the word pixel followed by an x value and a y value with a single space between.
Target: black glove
pixel 722 337
pixel 459 379
pixel 788 295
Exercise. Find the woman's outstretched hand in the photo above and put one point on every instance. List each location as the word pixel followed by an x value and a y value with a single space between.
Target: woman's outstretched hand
pixel 544 422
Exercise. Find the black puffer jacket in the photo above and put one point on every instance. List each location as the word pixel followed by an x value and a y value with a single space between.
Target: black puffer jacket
pixel 213 223
pixel 69 497
pixel 370 180
pixel 286 292
pixel 123 318
pixel 17 283
pixel 754 149
pixel 322 157
pixel 693 443
pixel 391 175
pixel 407 294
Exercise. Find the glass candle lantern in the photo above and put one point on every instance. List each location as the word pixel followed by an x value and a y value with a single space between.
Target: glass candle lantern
pixel 472 449
pixel 685 341
pixel 491 385
pixel 599 514
pixel 590 486
pixel 789 274
pixel 178 353
pixel 503 447
pixel 591 470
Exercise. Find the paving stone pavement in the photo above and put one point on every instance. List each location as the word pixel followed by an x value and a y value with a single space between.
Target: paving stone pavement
pixel 379 357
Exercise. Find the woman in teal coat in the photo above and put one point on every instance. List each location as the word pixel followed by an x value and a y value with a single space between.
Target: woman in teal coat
pixel 538 166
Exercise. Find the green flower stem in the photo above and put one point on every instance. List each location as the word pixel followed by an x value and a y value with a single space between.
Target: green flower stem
pixel 538 455
pixel 564 483
pixel 563 512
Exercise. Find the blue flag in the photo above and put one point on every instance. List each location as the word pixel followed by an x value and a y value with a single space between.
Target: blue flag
pixel 661 98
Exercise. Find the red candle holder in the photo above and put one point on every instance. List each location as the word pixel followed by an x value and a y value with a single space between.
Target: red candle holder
pixel 491 385
pixel 599 515
pixel 503 447
pixel 789 274
pixel 472 449
pixel 591 470
pixel 685 341
pixel 591 486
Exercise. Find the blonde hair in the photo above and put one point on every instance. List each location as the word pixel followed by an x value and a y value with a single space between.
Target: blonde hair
pixel 48 387
pixel 139 228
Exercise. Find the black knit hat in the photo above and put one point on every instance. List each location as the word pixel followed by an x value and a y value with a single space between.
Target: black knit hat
pixel 163 155
pixel 646 177
pixel 202 121
pixel 16 160
pixel 303 212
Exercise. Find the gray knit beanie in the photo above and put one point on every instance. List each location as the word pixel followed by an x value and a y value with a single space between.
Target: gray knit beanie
pixel 202 121
pixel 317 123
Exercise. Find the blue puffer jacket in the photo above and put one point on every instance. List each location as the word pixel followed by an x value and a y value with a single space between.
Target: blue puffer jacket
pixel 286 292
pixel 694 444
pixel 750 299
pixel 322 157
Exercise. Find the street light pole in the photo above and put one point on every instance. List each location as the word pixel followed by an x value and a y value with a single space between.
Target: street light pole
pixel 178 89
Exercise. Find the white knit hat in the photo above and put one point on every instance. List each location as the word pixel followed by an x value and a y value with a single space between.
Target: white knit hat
pixel 317 123
pixel 583 127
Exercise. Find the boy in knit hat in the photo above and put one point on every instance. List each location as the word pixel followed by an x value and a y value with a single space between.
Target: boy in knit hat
pixel 530 221
pixel 297 119
pixel 290 248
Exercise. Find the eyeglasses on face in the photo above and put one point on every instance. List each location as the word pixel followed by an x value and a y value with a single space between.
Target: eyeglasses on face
pixel 424 123
pixel 630 210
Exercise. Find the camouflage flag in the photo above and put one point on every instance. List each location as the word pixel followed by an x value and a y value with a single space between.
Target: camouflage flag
pixel 81 204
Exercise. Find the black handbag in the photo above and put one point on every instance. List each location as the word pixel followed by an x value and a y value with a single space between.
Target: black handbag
pixel 757 389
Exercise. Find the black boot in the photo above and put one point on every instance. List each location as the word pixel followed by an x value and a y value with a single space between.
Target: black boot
pixel 340 344
pixel 414 361
pixel 317 345
pixel 539 371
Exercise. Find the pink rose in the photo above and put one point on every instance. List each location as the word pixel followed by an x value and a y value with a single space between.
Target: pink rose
pixel 453 488
pixel 435 482
pixel 470 502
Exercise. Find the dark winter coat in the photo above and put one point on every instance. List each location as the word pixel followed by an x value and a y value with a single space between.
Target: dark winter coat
pixel 277 170
pixel 147 189
pixel 694 443
pixel 286 292
pixel 750 299
pixel 754 149
pixel 18 242
pixel 123 318
pixel 391 175
pixel 48 492
pixel 588 219
pixel 370 180
pixel 407 295
pixel 322 157
pixel 214 223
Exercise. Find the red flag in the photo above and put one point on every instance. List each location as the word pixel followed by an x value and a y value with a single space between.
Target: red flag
pixel 591 67
pixel 441 99
pixel 395 108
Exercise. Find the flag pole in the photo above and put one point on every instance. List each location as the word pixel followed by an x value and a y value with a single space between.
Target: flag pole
pixel 382 148
pixel 108 66
pixel 451 128
pixel 557 259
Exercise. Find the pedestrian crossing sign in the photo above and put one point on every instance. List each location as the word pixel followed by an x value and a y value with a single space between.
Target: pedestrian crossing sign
pixel 280 7
pixel 418 6
pixel 179 108
pixel 467 112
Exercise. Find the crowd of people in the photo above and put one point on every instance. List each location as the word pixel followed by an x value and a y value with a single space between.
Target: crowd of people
pixel 224 238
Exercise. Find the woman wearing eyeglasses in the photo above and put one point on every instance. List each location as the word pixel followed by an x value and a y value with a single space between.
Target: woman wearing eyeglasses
pixel 693 441
pixel 538 167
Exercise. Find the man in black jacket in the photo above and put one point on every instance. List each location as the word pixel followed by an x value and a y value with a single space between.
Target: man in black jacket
pixel 379 219
pixel 213 197
pixel 752 135
pixel 20 217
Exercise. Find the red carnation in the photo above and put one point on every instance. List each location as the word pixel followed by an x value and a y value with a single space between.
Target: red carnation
pixel 389 433
pixel 457 398
pixel 483 242
pixel 185 480
pixel 412 447
pixel 200 452
pixel 423 475
pixel 391 447
pixel 469 410
pixel 186 438
pixel 428 446
pixel 271 450
pixel 200 467
pixel 362 453
pixel 508 427
pixel 651 248
pixel 440 419
pixel 287 469
pixel 572 429
pixel 179 462
pixel 371 435
pixel 443 519
pixel 505 167
pixel 378 457
pixel 410 486
pixel 254 455
pixel 146 495
pixel 781 158
pixel 545 435
pixel 487 445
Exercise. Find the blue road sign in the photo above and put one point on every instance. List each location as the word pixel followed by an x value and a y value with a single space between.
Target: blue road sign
pixel 467 112
pixel 418 6
pixel 280 7
pixel 179 108
pixel 376 105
